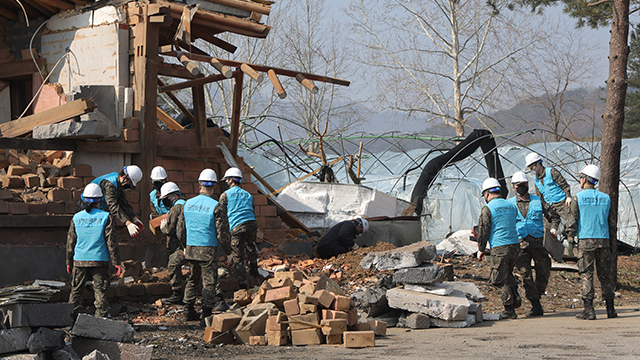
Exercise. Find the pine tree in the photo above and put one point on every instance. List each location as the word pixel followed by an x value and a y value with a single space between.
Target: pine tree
pixel 631 127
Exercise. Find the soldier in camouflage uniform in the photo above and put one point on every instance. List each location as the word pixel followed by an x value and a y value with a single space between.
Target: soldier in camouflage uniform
pixel 497 226
pixel 593 228
pixel 91 242
pixel 114 200
pixel 171 198
pixel 159 178
pixel 530 228
pixel 553 188
pixel 202 223
pixel 238 205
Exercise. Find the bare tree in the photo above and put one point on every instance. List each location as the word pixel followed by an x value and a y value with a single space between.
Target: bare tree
pixel 554 79
pixel 446 59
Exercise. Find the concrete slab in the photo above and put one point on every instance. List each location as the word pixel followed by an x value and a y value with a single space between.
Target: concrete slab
pixel 41 356
pixel 114 350
pixel 102 329
pixel 469 321
pixel 435 289
pixel 460 242
pixel 372 301
pixel 91 126
pixel 400 258
pixel 36 315
pixel 476 310
pixel 66 353
pixel 421 275
pixel 469 289
pixel 452 307
pixel 14 339
pixel 491 317
pixel 46 339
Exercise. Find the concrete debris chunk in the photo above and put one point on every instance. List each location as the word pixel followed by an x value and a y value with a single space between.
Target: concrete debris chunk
pixel 114 350
pixel 469 289
pixel 452 307
pixel 476 310
pixel 46 339
pixel 94 125
pixel 372 301
pixel 470 320
pixel 40 356
pixel 55 315
pixel 435 289
pixel 418 321
pixel 14 339
pixel 66 353
pixel 460 242
pixel 102 329
pixel 491 317
pixel 400 258
pixel 95 355
pixel 422 275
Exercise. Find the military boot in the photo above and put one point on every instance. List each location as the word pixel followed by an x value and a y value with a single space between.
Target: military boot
pixel 206 312
pixel 588 313
pixel 190 313
pixel 611 311
pixel 221 304
pixel 175 298
pixel 509 312
pixel 253 270
pixel 517 300
pixel 536 309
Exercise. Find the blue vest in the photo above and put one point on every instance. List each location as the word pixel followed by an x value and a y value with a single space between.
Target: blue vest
pixel 90 226
pixel 113 178
pixel 239 206
pixel 533 224
pixel 594 214
pixel 548 188
pixel 157 203
pixel 179 202
pixel 200 221
pixel 503 223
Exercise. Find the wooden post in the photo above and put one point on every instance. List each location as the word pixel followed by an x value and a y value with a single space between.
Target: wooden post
pixel 145 61
pixel 235 115
pixel 200 113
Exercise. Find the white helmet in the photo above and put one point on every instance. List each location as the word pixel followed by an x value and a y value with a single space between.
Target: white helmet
pixel 168 188
pixel 519 177
pixel 233 172
pixel 92 193
pixel 490 184
pixel 158 173
pixel 591 171
pixel 208 176
pixel 134 173
pixel 532 158
pixel 365 224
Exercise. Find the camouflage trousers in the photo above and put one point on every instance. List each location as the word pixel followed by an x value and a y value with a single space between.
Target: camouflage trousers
pixel 243 239
pixel 100 277
pixel 176 260
pixel 534 287
pixel 207 272
pixel 588 261
pixel 503 260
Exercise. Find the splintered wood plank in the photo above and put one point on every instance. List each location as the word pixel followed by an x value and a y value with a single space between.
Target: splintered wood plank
pixel 63 112
pixel 169 121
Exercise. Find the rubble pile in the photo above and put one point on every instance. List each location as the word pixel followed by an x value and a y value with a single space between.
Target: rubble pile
pixel 37 331
pixel 291 308
pixel 37 183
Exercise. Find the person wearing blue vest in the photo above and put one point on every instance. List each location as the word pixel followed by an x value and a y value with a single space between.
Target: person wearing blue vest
pixel 91 243
pixel 238 204
pixel 114 200
pixel 497 227
pixel 159 178
pixel 202 223
pixel 171 198
pixel 530 227
pixel 595 230
pixel 552 187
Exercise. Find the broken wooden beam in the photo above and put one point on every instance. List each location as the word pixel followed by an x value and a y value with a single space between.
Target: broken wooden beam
pixel 206 36
pixel 168 120
pixel 57 114
pixel 277 85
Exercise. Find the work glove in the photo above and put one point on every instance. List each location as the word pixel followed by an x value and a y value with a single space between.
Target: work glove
pixel 133 229
pixel 69 268
pixel 480 255
pixel 568 201
pixel 164 226
pixel 139 224
pixel 553 232
pixel 118 270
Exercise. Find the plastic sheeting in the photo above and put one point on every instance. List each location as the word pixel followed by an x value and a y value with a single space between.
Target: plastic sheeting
pixel 454 200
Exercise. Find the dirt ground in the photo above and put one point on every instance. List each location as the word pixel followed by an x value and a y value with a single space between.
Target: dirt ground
pixel 162 328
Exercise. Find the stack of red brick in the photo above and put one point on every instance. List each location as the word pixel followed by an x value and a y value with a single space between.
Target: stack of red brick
pixel 40 183
pixel 291 309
